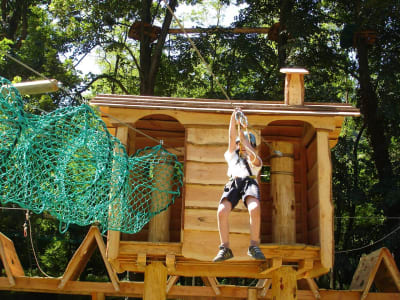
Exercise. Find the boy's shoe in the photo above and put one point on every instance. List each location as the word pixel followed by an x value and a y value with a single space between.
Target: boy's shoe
pixel 223 254
pixel 256 253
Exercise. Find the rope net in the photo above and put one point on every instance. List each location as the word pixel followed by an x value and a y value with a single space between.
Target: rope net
pixel 68 164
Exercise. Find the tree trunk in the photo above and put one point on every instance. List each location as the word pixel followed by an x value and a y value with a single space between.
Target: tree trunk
pixel 373 117
pixel 149 59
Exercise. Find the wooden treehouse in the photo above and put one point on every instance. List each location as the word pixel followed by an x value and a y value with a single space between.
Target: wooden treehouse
pixel 296 203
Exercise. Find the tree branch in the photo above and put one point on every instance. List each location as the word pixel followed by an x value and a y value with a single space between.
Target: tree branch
pixel 108 77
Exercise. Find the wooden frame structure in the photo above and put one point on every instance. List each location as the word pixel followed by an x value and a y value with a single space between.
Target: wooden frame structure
pixel 297 210
pixel 297 197
pixel 15 280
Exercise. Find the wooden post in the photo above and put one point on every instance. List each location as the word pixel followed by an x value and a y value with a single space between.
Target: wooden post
pixel 325 198
pixel 283 194
pixel 98 296
pixel 37 87
pixel 284 284
pixel 155 281
pixel 294 86
pixel 113 236
pixel 159 224
pixel 252 293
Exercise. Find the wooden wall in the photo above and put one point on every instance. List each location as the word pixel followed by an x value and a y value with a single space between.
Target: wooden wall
pixel 205 179
pixel 201 148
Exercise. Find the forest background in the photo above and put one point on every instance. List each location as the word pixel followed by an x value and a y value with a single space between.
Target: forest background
pixel 351 48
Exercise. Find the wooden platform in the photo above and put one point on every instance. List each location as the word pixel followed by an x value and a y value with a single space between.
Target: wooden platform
pixel 133 256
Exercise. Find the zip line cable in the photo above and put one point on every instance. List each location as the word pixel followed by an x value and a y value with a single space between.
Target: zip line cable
pixel 198 52
pixel 374 243
pixel 106 114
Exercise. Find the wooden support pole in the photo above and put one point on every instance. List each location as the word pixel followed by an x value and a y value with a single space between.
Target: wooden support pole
pixel 159 224
pixel 325 198
pixel 113 236
pixel 284 284
pixel 283 194
pixel 37 87
pixel 155 281
pixel 98 296
pixel 259 30
pixel 294 86
pixel 252 293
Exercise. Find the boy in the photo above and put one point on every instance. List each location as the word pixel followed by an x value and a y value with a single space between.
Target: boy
pixel 243 168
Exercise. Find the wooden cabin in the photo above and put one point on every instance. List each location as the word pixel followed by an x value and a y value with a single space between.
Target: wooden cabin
pixel 296 202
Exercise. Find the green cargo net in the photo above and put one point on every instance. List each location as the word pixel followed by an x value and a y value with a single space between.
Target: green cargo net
pixel 68 164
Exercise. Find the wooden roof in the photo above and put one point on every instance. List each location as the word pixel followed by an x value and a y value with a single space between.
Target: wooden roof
pixel 224 106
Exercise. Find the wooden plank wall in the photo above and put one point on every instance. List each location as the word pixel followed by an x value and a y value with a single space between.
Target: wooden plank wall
pixel 205 179
pixel 312 193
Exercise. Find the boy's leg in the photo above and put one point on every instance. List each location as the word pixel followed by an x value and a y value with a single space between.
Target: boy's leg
pixel 253 205
pixel 225 252
pixel 224 209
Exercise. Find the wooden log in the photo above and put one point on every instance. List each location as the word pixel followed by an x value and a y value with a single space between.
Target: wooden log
pixel 258 30
pixel 98 296
pixel 155 281
pixel 205 153
pixel 283 195
pixel 252 293
pixel 206 219
pixel 206 196
pixel 10 260
pixel 206 173
pixel 294 86
pixel 135 289
pixel 284 284
pixel 159 224
pixel 208 118
pixel 37 87
pixel 325 200
pixel 113 236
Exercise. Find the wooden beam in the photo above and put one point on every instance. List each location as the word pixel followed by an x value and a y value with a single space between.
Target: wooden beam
pixel 171 282
pixel 324 197
pixel 155 281
pixel 114 236
pixel 10 259
pixel 214 284
pixel 259 30
pixel 82 256
pixel 98 296
pixel 304 266
pixel 275 264
pixel 37 87
pixel 170 262
pixel 135 289
pixel 313 287
pixel 284 285
pixel 252 293
pixel 264 285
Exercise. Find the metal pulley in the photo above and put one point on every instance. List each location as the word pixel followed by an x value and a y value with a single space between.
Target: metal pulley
pixel 241 118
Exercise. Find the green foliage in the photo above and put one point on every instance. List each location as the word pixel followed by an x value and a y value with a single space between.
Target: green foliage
pixel 317 35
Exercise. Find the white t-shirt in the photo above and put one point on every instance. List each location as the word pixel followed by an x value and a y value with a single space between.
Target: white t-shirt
pixel 237 168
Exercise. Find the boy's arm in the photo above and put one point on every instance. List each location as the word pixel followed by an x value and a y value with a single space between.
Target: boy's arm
pixel 232 133
pixel 254 158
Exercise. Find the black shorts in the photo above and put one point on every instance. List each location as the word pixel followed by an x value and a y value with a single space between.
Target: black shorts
pixel 240 188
